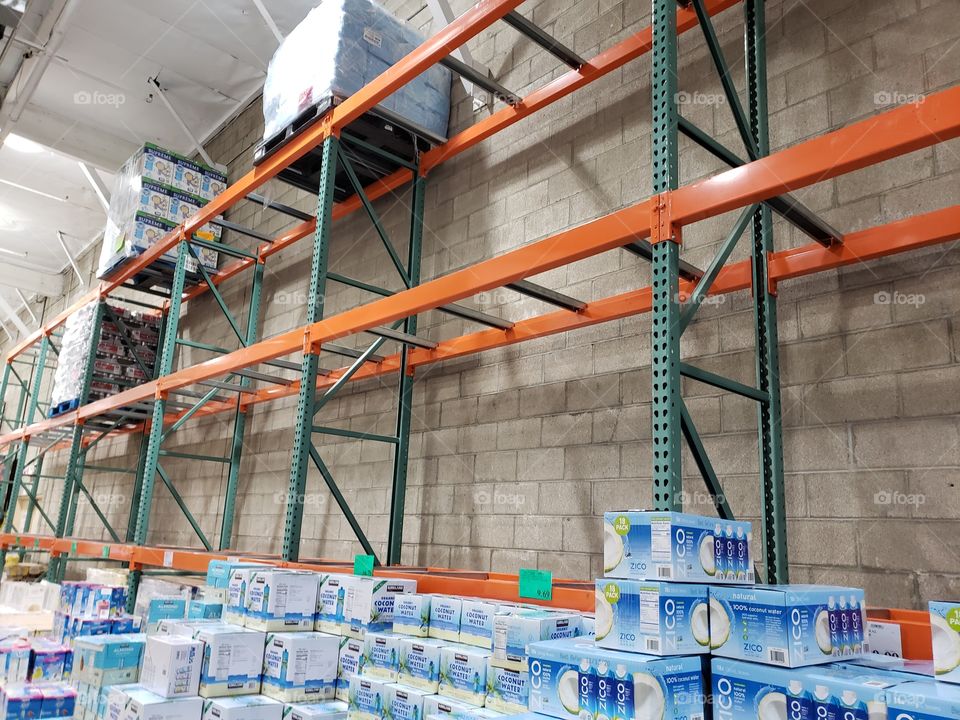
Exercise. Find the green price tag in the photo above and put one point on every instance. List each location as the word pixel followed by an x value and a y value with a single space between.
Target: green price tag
pixel 536 584
pixel 105 552
pixel 73 548
pixel 363 565
pixel 19 540
pixel 36 542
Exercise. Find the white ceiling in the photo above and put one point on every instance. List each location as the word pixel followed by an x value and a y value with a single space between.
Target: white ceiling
pixel 93 101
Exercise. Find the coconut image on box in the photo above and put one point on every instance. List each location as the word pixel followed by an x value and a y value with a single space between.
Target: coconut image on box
pixel 368 604
pixel 651 617
pixel 420 663
pixel 330 710
pixel 463 674
pixel 853 694
pixel 301 666
pixel 445 618
pixel 787 625
pixel 171 665
pixel 331 595
pixel 924 700
pixel 507 690
pixel 235 609
pixel 247 707
pixel 349 663
pixel 648 545
pixel 476 622
pixel 406 703
pixel 575 678
pixel 514 632
pixel 370 699
pixel 281 600
pixel 746 691
pixel 411 615
pixel 381 655
pixel 232 660
pixel 945 630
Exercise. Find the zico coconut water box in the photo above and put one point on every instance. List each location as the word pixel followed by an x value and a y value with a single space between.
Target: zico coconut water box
pixel 332 710
pixel 945 627
pixel 349 663
pixel 507 690
pixel 281 600
pixel 411 615
pixel 370 699
pixel 330 598
pixel 852 695
pixel 368 604
pixel 889 666
pixel 512 633
pixel 574 678
pixel 381 655
pixel 655 618
pixel 476 622
pixel 463 674
pixel 445 618
pixel 406 703
pixel 789 625
pixel 647 545
pixel 301 666
pixel 745 691
pixel 420 663
pixel 923 701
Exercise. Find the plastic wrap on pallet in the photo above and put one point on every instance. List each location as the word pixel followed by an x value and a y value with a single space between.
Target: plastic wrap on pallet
pixel 338 48
pixel 72 360
pixel 155 191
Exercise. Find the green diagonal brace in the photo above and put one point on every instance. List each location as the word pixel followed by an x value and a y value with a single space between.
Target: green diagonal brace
pixel 700 457
pixel 183 507
pixel 342 503
pixel 217 296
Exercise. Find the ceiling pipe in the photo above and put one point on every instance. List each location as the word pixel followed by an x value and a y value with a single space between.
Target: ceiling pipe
pixel 73 263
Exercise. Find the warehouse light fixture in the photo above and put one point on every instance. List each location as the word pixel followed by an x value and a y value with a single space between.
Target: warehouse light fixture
pixel 15 253
pixel 21 144
pixel 29 189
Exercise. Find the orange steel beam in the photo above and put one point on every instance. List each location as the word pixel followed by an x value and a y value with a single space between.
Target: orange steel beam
pixel 573 594
pixel 604 63
pixel 903 130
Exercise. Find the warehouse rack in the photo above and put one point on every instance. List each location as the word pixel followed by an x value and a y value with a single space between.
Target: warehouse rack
pixel 758 185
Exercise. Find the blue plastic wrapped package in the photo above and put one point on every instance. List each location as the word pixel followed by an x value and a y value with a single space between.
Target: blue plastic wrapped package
pixel 338 48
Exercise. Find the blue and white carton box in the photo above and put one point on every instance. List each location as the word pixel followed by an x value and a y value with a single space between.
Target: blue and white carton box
pixel 20 701
pixel 59 700
pixel 445 617
pixel 105 660
pixel 463 674
pixel 477 620
pixel 514 632
pixel 853 695
pixel 368 604
pixel 381 655
pixel 945 630
pixel 411 615
pixel 219 571
pixel 245 707
pixel 204 610
pixel 301 666
pixel 133 702
pixel 370 699
pixel 331 595
pixel 575 678
pixel 280 599
pixel 235 609
pixel 406 703
pixel 439 706
pixel 330 710
pixel 656 618
pixel 924 700
pixel 787 625
pixel 508 691
pixel 680 547
pixel 171 666
pixel 420 663
pixel 232 660
pixel 747 691
pixel 349 663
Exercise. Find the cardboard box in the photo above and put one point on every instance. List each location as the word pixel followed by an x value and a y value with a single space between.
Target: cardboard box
pixel 513 632
pixel 301 666
pixel 477 620
pixel 20 702
pixel 368 604
pixel 59 700
pixel 281 600
pixel 48 660
pixel 108 659
pixel 204 610
pixel 420 663
pixel 330 710
pixel 14 661
pixel 463 674
pixel 232 660
pixel 445 615
pixel 381 655
pixel 411 615
pixel 370 699
pixel 247 707
pixel 349 663
pixel 235 611
pixel 134 702
pixel 331 595
pixel 219 571
pixel 924 701
pixel 507 690
pixel 406 703
pixel 171 666
pixel 945 630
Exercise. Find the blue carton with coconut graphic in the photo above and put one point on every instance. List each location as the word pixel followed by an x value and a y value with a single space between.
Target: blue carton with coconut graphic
pixel 679 547
pixel 788 625
pixel 945 629
pixel 924 700
pixel 656 618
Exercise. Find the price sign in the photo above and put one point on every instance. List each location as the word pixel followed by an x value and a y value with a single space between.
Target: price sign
pixel 363 565
pixel 536 584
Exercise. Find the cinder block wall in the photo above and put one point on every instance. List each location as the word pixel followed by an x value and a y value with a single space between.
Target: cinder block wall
pixel 516 453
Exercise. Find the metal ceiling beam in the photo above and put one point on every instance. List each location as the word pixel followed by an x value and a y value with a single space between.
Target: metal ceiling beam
pixel 96 182
pixel 11 314
pixel 46 284
pixel 26 306
pixel 197 145
pixel 73 263
pixel 268 19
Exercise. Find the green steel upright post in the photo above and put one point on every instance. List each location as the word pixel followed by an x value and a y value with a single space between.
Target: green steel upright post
pixel 240 417
pixel 155 436
pixel 3 391
pixel 666 329
pixel 73 476
pixel 405 409
pixel 774 518
pixel 303 433
pixel 32 492
pixel 32 403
